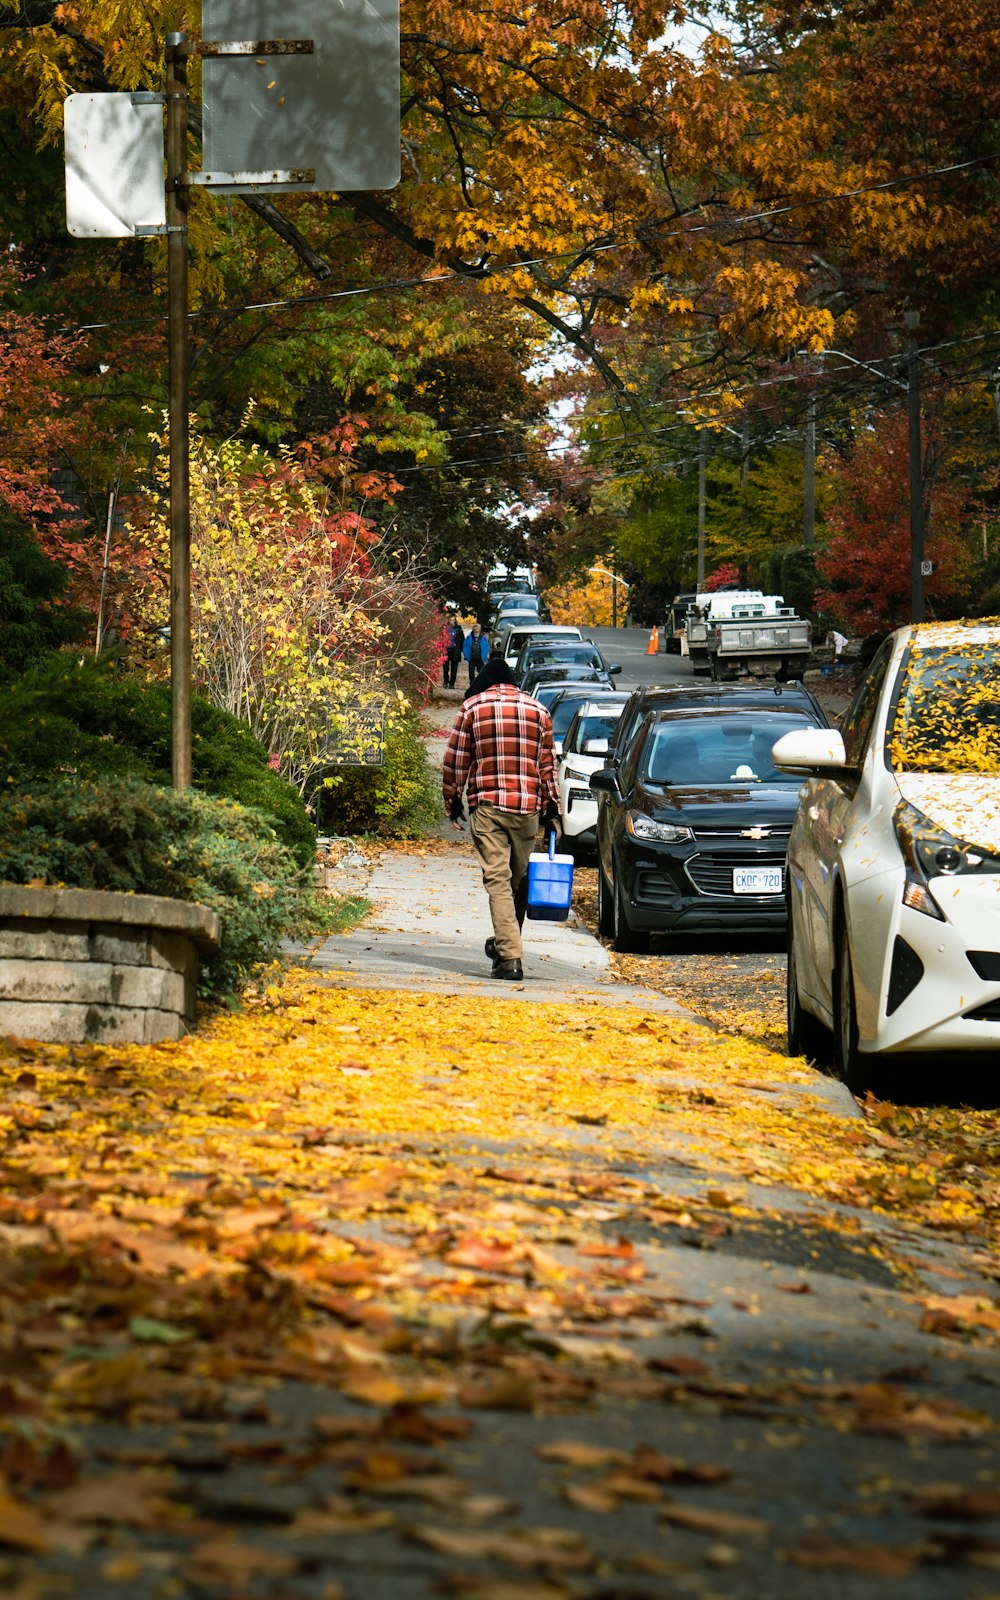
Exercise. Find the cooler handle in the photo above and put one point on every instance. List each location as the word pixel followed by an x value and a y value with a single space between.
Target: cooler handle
pixel 552 845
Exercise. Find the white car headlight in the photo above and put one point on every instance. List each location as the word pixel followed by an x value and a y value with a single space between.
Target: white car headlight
pixel 930 851
pixel 576 774
pixel 642 827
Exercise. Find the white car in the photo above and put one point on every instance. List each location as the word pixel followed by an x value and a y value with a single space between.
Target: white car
pixel 585 750
pixel 893 878
pixel 518 637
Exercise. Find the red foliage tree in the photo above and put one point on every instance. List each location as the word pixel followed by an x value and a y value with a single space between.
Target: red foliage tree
pixel 37 429
pixel 725 577
pixel 866 566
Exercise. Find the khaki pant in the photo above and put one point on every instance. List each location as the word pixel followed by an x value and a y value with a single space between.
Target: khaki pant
pixel 504 840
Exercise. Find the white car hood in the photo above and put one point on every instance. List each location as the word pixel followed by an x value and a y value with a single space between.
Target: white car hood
pixel 967 805
pixel 583 763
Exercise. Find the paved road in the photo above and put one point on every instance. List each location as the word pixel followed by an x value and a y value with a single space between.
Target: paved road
pixel 628 647
pixel 713 970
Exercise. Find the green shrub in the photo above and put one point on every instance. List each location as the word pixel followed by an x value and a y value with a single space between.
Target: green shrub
pixel 34 616
pixel 65 717
pixel 395 801
pixel 125 835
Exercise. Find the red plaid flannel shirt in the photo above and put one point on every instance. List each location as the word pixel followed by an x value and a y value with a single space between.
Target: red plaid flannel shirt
pixel 501 746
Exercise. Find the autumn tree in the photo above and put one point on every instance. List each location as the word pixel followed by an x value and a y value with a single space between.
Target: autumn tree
pixel 295 628
pixel 865 568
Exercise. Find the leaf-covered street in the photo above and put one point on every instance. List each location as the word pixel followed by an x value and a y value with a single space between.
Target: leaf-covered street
pixel 409 1294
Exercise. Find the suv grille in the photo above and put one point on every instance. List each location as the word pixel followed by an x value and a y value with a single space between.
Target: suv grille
pixel 714 874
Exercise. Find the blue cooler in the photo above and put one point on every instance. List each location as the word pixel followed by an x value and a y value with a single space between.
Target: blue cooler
pixel 550 884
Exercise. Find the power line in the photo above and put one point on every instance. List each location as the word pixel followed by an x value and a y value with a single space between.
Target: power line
pixel 452 275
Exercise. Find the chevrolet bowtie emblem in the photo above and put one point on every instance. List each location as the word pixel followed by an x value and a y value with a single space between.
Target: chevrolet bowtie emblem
pixel 755 833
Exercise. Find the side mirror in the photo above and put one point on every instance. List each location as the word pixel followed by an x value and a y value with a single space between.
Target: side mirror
pixel 605 781
pixel 613 671
pixel 811 750
pixel 595 747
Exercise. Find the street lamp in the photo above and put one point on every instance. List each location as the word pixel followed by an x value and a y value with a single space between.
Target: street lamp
pixel 615 581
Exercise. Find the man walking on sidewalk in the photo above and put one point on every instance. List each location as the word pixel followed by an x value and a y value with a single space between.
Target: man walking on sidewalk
pixel 501 750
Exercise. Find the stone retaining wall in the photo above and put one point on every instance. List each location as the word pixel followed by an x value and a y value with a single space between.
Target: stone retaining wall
pixel 85 965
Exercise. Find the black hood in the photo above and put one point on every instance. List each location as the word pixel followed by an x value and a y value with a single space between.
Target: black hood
pixel 728 808
pixel 495 671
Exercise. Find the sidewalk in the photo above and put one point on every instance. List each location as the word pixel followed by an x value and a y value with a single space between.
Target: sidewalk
pixel 428 928
pixel 396 1284
pixel 431 920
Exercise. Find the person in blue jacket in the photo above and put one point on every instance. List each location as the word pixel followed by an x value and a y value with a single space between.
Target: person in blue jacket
pixel 476 650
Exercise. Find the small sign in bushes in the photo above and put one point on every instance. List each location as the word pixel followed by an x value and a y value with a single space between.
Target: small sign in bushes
pixel 358 740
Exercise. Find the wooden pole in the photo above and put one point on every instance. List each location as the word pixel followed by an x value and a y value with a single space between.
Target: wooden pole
pixel 179 359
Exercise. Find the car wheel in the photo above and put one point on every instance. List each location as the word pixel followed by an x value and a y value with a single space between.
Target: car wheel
pixel 851 1065
pixel 605 908
pixel 629 940
pixel 806 1034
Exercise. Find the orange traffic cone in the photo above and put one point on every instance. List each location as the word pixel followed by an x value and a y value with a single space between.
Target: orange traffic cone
pixel 654 641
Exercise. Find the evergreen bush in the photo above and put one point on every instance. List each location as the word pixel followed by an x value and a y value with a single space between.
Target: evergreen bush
pixel 125 835
pixel 34 615
pixel 65 717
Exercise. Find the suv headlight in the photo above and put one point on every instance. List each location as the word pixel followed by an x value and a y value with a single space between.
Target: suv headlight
pixel 930 851
pixel 642 827
pixel 575 774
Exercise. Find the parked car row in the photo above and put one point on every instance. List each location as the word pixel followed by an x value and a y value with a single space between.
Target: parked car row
pixel 876 844
pixel 693 815
pixel 738 808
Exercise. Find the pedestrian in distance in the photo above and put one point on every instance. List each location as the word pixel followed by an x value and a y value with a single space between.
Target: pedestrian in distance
pixel 491 674
pixel 476 650
pixel 455 636
pixel 500 755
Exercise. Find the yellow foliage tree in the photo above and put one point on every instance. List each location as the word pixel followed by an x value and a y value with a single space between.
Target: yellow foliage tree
pixel 282 636
pixel 588 602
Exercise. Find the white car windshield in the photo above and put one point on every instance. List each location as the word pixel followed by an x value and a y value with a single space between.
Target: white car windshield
pixel 600 727
pixel 948 711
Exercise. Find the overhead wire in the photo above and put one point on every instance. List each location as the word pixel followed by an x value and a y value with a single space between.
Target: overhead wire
pixel 473 273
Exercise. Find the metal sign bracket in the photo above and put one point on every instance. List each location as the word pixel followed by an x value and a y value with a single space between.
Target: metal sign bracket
pixel 210 180
pixel 250 47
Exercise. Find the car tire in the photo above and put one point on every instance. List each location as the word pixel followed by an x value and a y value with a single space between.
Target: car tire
pixel 626 939
pixel 605 906
pixel 853 1067
pixel 806 1034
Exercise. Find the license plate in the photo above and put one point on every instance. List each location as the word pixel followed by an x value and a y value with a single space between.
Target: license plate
pixel 757 880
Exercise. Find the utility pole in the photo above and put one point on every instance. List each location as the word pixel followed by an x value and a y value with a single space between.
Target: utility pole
pixel 809 476
pixel 702 485
pixel 911 320
pixel 337 106
pixel 179 361
pixel 744 500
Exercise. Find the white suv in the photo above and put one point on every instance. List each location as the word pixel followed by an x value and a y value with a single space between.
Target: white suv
pixel 893 878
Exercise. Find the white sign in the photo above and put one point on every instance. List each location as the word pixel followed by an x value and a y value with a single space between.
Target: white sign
pixel 114 166
pixel 335 110
pixel 926 568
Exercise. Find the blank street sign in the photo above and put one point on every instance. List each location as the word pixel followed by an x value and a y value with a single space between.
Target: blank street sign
pixel 114 166
pixel 336 110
